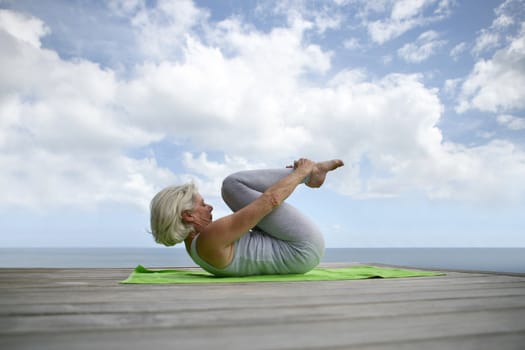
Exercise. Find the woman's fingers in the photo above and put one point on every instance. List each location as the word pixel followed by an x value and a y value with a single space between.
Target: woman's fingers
pixel 301 162
pixel 304 164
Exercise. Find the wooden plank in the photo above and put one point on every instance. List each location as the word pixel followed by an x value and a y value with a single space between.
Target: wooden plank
pixel 285 333
pixel 87 308
pixel 131 319
pixel 439 304
pixel 318 292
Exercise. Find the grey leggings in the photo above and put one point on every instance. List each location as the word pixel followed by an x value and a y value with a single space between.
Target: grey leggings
pixel 284 222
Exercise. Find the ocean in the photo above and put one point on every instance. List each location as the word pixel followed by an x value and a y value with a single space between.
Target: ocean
pixel 479 259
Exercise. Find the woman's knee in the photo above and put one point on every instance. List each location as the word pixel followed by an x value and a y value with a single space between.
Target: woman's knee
pixel 228 186
pixel 232 191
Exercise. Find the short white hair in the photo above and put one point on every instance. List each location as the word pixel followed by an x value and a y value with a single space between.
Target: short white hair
pixel 166 208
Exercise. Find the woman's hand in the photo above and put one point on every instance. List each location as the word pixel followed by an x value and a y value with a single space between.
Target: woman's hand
pixel 304 166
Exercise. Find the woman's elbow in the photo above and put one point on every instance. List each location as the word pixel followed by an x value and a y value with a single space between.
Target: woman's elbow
pixel 272 199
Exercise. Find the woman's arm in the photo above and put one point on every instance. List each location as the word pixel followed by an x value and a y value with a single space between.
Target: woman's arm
pixel 218 237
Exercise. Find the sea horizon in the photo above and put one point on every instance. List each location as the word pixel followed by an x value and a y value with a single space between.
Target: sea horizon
pixel 490 259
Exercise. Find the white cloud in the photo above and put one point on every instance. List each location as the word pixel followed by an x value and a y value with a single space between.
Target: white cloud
pixel 388 121
pixel 321 16
pixel 126 7
pixel 444 8
pixel 24 28
pixel 502 21
pixel 407 9
pixel 458 50
pixel 84 126
pixel 163 28
pixel 425 46
pixel 496 84
pixel 454 171
pixel 486 134
pixel 451 86
pixel 387 59
pixel 512 122
pixel 42 180
pixel 62 139
pixel 507 14
pixel 211 173
pixel 404 16
pixel 325 21
pixel 246 95
pixel 351 44
pixel 477 173
pixel 243 93
pixel 487 40
pixel 382 32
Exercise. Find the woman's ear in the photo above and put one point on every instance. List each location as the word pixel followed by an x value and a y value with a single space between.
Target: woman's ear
pixel 186 216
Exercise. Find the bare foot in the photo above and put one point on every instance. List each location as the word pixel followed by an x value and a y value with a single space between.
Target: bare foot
pixel 320 170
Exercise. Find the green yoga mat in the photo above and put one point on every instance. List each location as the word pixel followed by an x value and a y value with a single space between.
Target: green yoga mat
pixel 142 275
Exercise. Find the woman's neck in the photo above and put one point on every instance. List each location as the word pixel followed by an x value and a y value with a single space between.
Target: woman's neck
pixel 189 240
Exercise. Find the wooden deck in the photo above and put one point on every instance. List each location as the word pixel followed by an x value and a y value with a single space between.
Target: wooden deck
pixel 88 309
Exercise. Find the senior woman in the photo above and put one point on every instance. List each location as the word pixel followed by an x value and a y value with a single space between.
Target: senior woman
pixel 264 235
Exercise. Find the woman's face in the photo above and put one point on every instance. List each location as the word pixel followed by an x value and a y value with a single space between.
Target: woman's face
pixel 201 212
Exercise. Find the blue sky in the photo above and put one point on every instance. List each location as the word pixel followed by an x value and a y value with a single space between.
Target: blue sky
pixel 103 103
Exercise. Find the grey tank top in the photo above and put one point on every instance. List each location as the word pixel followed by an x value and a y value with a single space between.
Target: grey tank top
pixel 257 253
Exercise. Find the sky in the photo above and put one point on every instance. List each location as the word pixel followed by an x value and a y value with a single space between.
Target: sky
pixel 104 103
